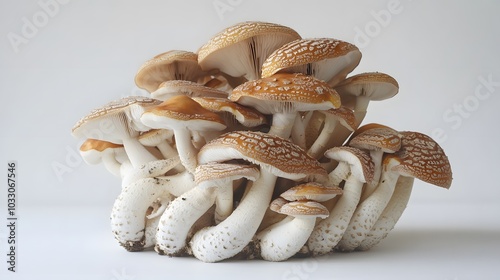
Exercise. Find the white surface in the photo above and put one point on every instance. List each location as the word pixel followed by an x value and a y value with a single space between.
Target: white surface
pixel 87 53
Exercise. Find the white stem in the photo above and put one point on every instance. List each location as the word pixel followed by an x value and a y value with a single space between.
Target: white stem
pixel 223 203
pixel 370 187
pixel 111 164
pixel 339 174
pixel 179 217
pixel 177 184
pixel 329 231
pixel 284 239
pixel 185 148
pixel 368 212
pixel 149 170
pixel 150 232
pixel 168 152
pixel 390 215
pixel 137 153
pixel 228 238
pixel 319 146
pixel 282 124
pixel 299 132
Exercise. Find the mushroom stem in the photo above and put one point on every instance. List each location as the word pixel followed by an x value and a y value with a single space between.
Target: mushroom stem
pixel 177 184
pixel 228 238
pixel 149 170
pixel 299 132
pixel 168 151
pixel 282 124
pixel 137 153
pixel 319 146
pixel 329 231
pixel 390 215
pixel 187 152
pixel 339 174
pixel 371 186
pixel 223 203
pixel 284 239
pixel 111 164
pixel 368 212
pixel 179 218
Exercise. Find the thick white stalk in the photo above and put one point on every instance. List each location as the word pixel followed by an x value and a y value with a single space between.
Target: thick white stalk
pixel 368 212
pixel 298 133
pixel 111 164
pixel 137 153
pixel 179 218
pixel 223 203
pixel 177 184
pixel 185 148
pixel 228 238
pixel 284 239
pixel 339 174
pixel 319 146
pixel 282 124
pixel 390 215
pixel 371 186
pixel 149 170
pixel 329 231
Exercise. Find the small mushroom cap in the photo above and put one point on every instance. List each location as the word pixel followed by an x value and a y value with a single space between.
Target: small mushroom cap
pixel 182 112
pixel 383 139
pixel 286 93
pixel 423 158
pixel 344 115
pixel 373 85
pixel 325 58
pixel 120 118
pixel 171 65
pixel 171 88
pixel 311 191
pixel 222 174
pixel 92 150
pixel 304 209
pixel 242 48
pixel 248 117
pixel 277 155
pixel 277 203
pixel 360 162
pixel 154 137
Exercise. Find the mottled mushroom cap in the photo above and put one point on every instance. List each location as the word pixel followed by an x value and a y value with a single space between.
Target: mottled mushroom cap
pixel 311 191
pixel 221 174
pixel 327 59
pixel 304 209
pixel 182 112
pixel 344 115
pixel 92 149
pixel 422 157
pixel 240 50
pixel 373 85
pixel 115 120
pixel 286 92
pixel 360 162
pixel 383 139
pixel 275 154
pixel 171 65
pixel 154 137
pixel 246 116
pixel 172 88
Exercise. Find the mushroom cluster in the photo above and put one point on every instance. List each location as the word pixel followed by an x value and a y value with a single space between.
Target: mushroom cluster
pixel 253 148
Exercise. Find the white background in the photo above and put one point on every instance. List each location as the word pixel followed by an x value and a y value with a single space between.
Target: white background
pixel 85 53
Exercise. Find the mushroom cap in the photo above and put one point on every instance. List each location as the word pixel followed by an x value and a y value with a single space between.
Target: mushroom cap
pixel 344 115
pixel 325 58
pixel 182 112
pixel 360 162
pixel 171 65
pixel 373 85
pixel 220 174
pixel 154 137
pixel 383 139
pixel 242 48
pixel 275 154
pixel 304 209
pixel 92 150
pixel 311 191
pixel 248 117
pixel 423 158
pixel 119 117
pixel 171 88
pixel 286 92
pixel 277 203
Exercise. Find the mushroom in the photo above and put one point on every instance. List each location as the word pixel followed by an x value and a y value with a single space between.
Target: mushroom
pixel 284 239
pixel 213 184
pixel 419 157
pixel 376 141
pixel 283 95
pixel 171 65
pixel 356 168
pixel 96 151
pixel 357 91
pixel 118 122
pixel 172 88
pixel 333 117
pixel 276 157
pixel 182 114
pixel 422 158
pixel 240 50
pixel 327 59
pixel 159 138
